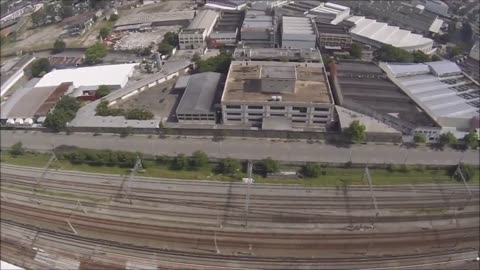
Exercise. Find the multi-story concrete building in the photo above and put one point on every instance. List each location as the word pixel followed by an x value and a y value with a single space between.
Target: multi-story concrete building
pixel 277 54
pixel 333 36
pixel 258 29
pixel 193 37
pixel 226 31
pixel 298 32
pixel 330 13
pixel 277 95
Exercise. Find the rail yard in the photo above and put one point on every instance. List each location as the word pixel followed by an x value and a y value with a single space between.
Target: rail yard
pixel 65 220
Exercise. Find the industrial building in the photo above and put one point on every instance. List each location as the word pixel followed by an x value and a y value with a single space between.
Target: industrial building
pixel 259 29
pixel 298 33
pixel 227 29
pixel 114 76
pixel 194 36
pixel 403 14
pixel 435 6
pixel 277 54
pixel 197 102
pixel 364 88
pixel 277 96
pixel 330 36
pixel 298 8
pixel 330 13
pixel 11 74
pixel 135 22
pixel 442 91
pixel 377 34
pixel 226 4
pixel 473 62
pixel 29 104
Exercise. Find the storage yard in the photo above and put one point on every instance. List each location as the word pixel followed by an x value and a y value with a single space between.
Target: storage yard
pixel 309 226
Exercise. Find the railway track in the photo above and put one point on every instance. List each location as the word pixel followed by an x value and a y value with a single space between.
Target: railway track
pixel 118 256
pixel 175 221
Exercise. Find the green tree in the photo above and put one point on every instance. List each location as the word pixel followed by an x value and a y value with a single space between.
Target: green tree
pixel 102 91
pixel 420 57
pixel 471 140
pixel 180 162
pixel 38 17
pixel 436 58
pixel 64 112
pixel 104 32
pixel 311 170
pixel 165 49
pixel 17 149
pixel 469 172
pixel 356 51
pixel 356 132
pixel 454 51
pixel 419 138
pixel 59 46
pixel 228 166
pixel 113 17
pixel 196 58
pixel 388 53
pixel 50 11
pixel 40 67
pixel 103 109
pixel 171 38
pixel 447 139
pixel 139 114
pixel 95 53
pixel 219 63
pixel 269 165
pixel 198 160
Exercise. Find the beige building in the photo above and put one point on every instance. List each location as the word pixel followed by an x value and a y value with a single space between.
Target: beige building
pixel 277 95
pixel 194 36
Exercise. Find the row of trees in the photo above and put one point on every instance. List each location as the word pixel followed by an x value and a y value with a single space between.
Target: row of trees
pixel 448 139
pixel 388 53
pixel 100 157
pixel 64 112
pixel 103 109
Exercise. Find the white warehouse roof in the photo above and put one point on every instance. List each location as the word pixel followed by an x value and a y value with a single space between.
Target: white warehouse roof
pixel 89 76
pixel 442 90
pixel 383 33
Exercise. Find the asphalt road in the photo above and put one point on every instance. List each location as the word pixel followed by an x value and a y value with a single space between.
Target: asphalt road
pixel 243 148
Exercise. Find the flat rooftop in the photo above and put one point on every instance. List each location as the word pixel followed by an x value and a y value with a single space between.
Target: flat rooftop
pixel 244 82
pixel 199 95
pixel 204 19
pixel 229 21
pixel 149 18
pixel 297 25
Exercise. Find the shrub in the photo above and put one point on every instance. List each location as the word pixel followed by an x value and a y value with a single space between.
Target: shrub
pixel 228 166
pixel 198 160
pixel 17 149
pixel 180 162
pixel 311 170
pixel 268 165
pixel 468 172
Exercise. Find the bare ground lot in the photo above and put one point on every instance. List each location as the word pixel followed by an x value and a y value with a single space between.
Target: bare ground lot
pixel 161 100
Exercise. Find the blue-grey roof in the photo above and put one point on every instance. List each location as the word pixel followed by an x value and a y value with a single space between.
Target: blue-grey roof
pixel 199 95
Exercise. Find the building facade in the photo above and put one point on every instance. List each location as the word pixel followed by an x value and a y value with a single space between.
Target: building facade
pixel 194 36
pixel 284 95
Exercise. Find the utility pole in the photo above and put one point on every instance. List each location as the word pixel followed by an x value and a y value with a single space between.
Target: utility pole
pixel 215 241
pixel 71 227
pixel 126 188
pixel 467 187
pixel 53 157
pixel 247 196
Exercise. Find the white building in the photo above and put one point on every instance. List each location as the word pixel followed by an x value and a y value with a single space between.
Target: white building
pixel 330 13
pixel 114 76
pixel 193 37
pixel 442 90
pixel 377 34
pixel 298 33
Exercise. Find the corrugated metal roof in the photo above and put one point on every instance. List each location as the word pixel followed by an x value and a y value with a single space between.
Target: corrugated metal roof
pixel 199 95
pixel 444 67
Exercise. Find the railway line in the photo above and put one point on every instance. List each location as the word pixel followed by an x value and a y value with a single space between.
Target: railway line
pixel 183 224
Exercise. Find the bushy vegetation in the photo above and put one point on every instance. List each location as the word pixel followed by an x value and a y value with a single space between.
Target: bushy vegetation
pixel 471 140
pixel 228 166
pixel 59 46
pixel 469 172
pixel 95 53
pixel 219 63
pixel 356 132
pixel 311 170
pixel 447 139
pixel 64 112
pixel 267 166
pixel 169 42
pixel 103 90
pixel 389 53
pixel 104 32
pixel 419 138
pixel 100 157
pixel 40 67
pixel 356 51
pixel 103 109
pixel 17 149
